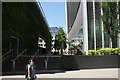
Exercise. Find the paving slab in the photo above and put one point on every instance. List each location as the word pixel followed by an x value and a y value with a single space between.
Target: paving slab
pixel 88 73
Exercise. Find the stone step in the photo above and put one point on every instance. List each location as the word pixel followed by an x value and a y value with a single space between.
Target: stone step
pixel 38 72
pixel 53 63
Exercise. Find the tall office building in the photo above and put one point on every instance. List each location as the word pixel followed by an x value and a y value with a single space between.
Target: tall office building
pixel 24 27
pixel 53 31
pixel 85 27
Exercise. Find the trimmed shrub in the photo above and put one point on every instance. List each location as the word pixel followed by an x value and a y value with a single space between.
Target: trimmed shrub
pixel 115 51
pixel 83 53
pixel 91 52
pixel 102 51
pixel 105 51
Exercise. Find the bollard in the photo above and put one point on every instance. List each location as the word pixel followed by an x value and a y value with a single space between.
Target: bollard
pixel 13 65
pixel 45 64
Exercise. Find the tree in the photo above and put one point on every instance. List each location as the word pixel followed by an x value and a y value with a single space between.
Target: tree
pixel 60 40
pixel 111 21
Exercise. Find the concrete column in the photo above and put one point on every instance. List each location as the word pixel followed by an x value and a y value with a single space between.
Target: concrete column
pixel 102 29
pixel 94 25
pixel 85 27
pixel 118 39
pixel 66 26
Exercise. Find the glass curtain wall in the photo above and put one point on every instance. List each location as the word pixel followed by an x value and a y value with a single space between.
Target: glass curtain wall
pixel 90 25
pixel 98 26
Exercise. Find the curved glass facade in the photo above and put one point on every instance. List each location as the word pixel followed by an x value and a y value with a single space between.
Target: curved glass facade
pixel 72 9
pixel 77 41
pixel 96 37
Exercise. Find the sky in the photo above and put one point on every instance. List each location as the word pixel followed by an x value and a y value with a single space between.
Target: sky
pixel 55 13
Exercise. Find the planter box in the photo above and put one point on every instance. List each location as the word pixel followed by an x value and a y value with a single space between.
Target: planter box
pixel 72 62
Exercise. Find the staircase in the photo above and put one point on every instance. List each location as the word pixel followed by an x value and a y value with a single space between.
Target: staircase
pixel 20 64
pixel 54 63
pixel 7 64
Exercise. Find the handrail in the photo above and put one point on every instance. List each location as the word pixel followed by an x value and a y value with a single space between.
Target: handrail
pixel 35 54
pixel 17 58
pixel 7 53
pixel 20 54
pixel 47 57
pixel 46 61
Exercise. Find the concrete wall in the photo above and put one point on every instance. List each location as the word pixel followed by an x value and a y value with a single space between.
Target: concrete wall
pixel 71 62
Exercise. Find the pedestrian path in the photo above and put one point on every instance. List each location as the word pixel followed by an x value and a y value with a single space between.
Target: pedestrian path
pixel 93 73
pixel 88 73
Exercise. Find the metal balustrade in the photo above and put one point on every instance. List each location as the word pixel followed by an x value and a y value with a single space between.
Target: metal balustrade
pixel 36 53
pixel 46 61
pixel 34 56
pixel 17 58
pixel 6 55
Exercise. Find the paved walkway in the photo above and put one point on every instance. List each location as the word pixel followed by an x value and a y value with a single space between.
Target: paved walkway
pixel 88 73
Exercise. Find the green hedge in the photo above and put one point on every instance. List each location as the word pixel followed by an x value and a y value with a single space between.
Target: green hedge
pixel 105 51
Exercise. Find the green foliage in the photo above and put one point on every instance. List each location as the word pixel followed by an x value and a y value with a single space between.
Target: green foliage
pixel 102 51
pixel 110 20
pixel 115 51
pixel 91 52
pixel 105 51
pixel 60 40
